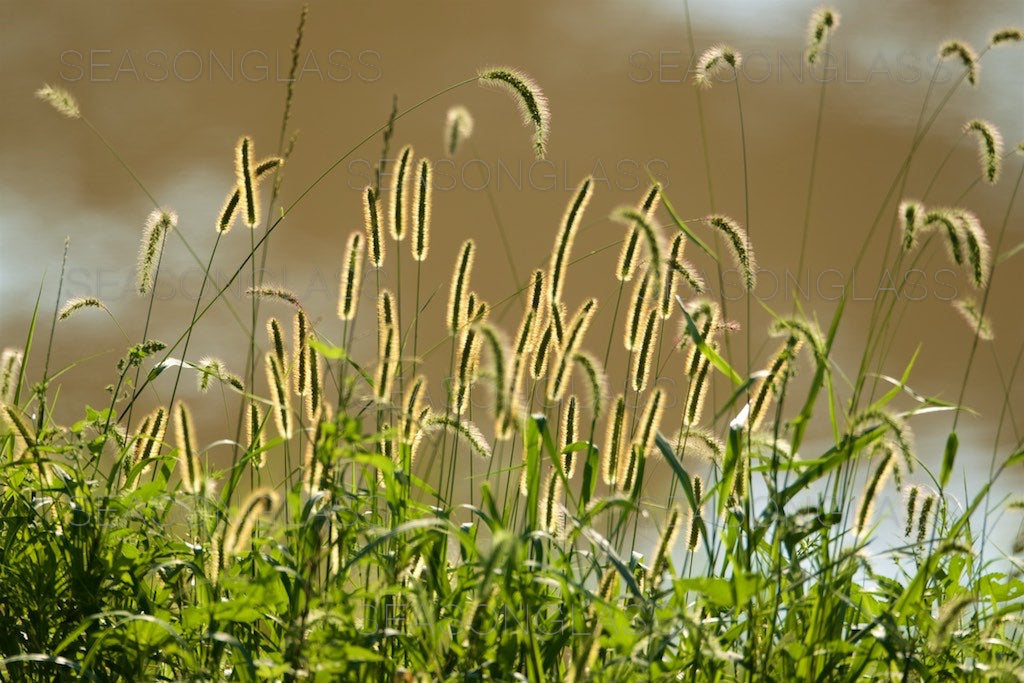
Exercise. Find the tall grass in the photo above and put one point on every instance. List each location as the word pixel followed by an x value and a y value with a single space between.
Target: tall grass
pixel 128 556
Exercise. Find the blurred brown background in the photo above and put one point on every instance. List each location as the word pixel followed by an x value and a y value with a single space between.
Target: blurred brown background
pixel 172 86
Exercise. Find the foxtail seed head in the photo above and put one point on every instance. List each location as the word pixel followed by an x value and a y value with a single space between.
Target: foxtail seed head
pixel 371 222
pixel 387 363
pixel 644 356
pixel 979 254
pixel 566 237
pixel 667 541
pixel 280 398
pixel 969 309
pixel 276 340
pixel 823 22
pixel 413 405
pixel 875 485
pixel 254 434
pixel 188 456
pixel 559 379
pixel 570 434
pixel 238 536
pixel 550 504
pixel 611 461
pixel 668 280
pixel 1006 35
pixel 10 373
pixel 158 223
pixel 965 54
pixel 421 226
pixel 740 245
pixel 990 147
pixel 400 194
pixel 275 292
pixel 911 214
pixel 458 126
pixel 301 353
pixel 459 289
pixel 78 303
pixel 60 99
pixel 532 103
pixel 351 277
pixel 246 179
pixel 650 420
pixel 637 312
pixel 640 222
pixel 714 60
pixel 150 437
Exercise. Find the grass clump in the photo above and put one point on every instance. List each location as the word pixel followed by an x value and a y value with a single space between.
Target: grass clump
pixel 347 541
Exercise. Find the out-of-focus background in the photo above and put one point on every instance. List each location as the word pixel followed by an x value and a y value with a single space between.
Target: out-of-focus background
pixel 172 86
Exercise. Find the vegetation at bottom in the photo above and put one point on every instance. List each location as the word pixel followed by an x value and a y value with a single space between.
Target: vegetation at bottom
pixel 527 516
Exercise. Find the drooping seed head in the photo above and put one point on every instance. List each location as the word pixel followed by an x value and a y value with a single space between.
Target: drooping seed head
pixel 78 303
pixel 532 103
pixel 570 434
pixel 877 418
pixel 596 380
pixel 386 311
pixel 775 377
pixel 713 61
pixel 944 219
pixel 911 214
pixel 421 224
pixel 238 536
pixel 60 99
pixel 970 310
pixel 351 277
pixel 566 237
pixel 979 253
pixel 629 469
pixel 874 486
pixel 990 147
pixel 740 246
pixel 158 224
pixel 1006 35
pixel 966 55
pixel 399 195
pixel 210 368
pixel 272 291
pixel 10 373
pixel 458 126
